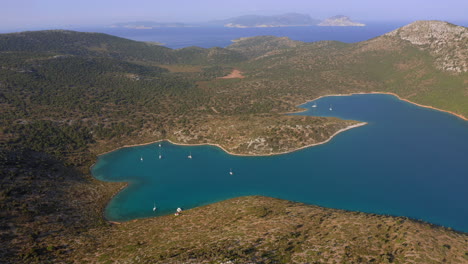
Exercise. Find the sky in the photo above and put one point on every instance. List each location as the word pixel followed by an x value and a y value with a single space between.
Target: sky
pixel 17 14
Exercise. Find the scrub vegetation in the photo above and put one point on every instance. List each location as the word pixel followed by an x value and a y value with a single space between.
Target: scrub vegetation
pixel 68 96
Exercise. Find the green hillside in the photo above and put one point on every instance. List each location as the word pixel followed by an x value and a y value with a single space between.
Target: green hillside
pixel 384 64
pixel 68 96
pixel 84 44
pixel 103 45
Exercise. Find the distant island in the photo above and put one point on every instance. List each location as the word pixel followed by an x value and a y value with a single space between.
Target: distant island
pixel 340 21
pixel 251 21
pixel 284 20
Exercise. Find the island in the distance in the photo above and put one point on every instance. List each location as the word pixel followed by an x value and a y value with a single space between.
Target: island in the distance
pixel 340 21
pixel 284 20
pixel 250 21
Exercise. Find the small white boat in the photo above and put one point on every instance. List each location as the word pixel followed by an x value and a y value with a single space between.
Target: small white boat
pixel 314 105
pixel 159 144
pixel 160 156
pixel 141 158
pixel 179 210
pixel 230 172
pixel 154 207
pixel 331 109
pixel 190 155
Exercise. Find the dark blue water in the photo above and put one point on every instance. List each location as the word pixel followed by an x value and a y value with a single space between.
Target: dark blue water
pixel 408 161
pixel 208 37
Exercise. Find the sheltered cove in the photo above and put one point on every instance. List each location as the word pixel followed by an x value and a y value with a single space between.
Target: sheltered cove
pixel 396 107
pixel 300 111
pixel 397 96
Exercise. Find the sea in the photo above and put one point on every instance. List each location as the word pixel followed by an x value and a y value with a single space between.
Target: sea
pixel 208 37
pixel 407 161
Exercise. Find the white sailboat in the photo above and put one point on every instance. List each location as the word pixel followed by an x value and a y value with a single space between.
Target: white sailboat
pixel 190 155
pixel 154 207
pixel 331 109
pixel 230 172
pixel 141 158
pixel 178 211
pixel 314 105
pixel 160 156
pixel 159 144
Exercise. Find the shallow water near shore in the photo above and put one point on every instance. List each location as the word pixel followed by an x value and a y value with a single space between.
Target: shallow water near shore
pixel 407 161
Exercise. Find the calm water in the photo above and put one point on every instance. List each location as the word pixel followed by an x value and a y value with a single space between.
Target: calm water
pixel 408 161
pixel 208 37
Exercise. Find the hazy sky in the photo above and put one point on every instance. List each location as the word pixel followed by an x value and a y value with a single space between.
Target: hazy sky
pixel 56 13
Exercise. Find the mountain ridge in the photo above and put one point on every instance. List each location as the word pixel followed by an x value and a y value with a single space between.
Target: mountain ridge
pixel 442 40
pixel 260 45
pixel 100 44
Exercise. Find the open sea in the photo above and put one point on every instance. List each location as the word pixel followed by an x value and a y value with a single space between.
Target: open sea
pixel 407 161
pixel 207 37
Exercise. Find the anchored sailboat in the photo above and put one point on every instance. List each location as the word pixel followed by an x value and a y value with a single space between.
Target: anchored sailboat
pixel 178 211
pixel 154 207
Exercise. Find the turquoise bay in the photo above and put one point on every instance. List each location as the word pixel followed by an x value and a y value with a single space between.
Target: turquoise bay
pixel 407 161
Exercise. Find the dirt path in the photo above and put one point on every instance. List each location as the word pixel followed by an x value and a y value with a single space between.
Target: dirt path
pixel 234 74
